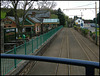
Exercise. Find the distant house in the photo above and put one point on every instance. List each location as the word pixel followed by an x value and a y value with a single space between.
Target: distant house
pixel 9 22
pixel 79 22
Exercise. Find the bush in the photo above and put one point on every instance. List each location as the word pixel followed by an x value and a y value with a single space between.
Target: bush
pixel 27 36
pixel 91 33
pixel 94 36
pixel 84 31
pixel 19 37
pixel 75 27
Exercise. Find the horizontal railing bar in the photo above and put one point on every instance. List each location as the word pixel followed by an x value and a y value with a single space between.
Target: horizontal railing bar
pixel 53 59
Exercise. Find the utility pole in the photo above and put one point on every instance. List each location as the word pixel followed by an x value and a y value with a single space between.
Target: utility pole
pixel 96 20
pixel 81 15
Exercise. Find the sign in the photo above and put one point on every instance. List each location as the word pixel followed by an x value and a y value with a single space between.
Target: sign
pixel 8 35
pixel 7 30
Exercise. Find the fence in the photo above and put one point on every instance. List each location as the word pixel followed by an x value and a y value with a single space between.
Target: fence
pixel 89 65
pixel 27 48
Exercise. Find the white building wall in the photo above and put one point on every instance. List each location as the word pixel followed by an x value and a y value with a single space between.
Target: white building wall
pixel 79 21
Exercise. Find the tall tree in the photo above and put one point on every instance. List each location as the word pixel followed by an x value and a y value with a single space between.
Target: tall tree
pixel 15 4
pixel 44 5
pixel 98 21
pixel 10 13
pixel 3 14
pixel 61 17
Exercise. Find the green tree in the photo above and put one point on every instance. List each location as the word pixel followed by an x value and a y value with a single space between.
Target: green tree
pixel 16 4
pixel 3 14
pixel 94 20
pixel 10 13
pixel 61 17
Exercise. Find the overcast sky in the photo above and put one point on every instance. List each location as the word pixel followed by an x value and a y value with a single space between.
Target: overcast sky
pixel 87 14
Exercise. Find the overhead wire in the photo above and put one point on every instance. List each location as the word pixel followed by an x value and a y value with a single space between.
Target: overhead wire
pixel 85 5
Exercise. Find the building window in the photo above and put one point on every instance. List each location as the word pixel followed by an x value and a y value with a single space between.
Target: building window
pixel 78 20
pixel 28 29
pixel 9 26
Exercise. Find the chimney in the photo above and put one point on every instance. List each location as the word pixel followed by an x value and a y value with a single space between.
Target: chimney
pixel 33 14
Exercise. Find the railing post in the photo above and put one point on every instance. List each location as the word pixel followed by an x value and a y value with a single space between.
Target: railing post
pixel 37 42
pixel 25 47
pixel 89 71
pixel 32 45
pixel 42 38
pixel 15 53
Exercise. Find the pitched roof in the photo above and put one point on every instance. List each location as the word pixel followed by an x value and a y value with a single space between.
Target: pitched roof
pixel 36 11
pixel 34 19
pixel 13 18
pixel 51 21
pixel 40 13
pixel 27 22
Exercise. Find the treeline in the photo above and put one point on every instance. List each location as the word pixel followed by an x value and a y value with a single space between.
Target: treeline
pixel 10 11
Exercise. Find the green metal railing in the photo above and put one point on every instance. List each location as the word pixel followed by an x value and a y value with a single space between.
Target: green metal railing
pixel 25 49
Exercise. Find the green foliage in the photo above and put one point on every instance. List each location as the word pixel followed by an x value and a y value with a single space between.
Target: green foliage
pixel 84 31
pixel 10 13
pixel 53 16
pixel 53 11
pixel 74 26
pixel 97 33
pixel 91 33
pixel 27 36
pixel 19 37
pixel 61 17
pixel 3 14
pixel 98 21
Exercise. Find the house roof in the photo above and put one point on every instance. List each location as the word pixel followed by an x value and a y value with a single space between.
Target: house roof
pixel 40 13
pixel 20 19
pixel 51 21
pixel 34 19
pixel 27 22
pixel 13 18
pixel 36 11
pixel 47 14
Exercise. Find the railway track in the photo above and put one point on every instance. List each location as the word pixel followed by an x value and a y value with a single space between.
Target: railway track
pixel 81 43
pixel 57 55
pixel 63 49
pixel 60 52
pixel 65 42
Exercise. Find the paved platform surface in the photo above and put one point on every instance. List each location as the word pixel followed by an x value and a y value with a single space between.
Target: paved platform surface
pixel 68 44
